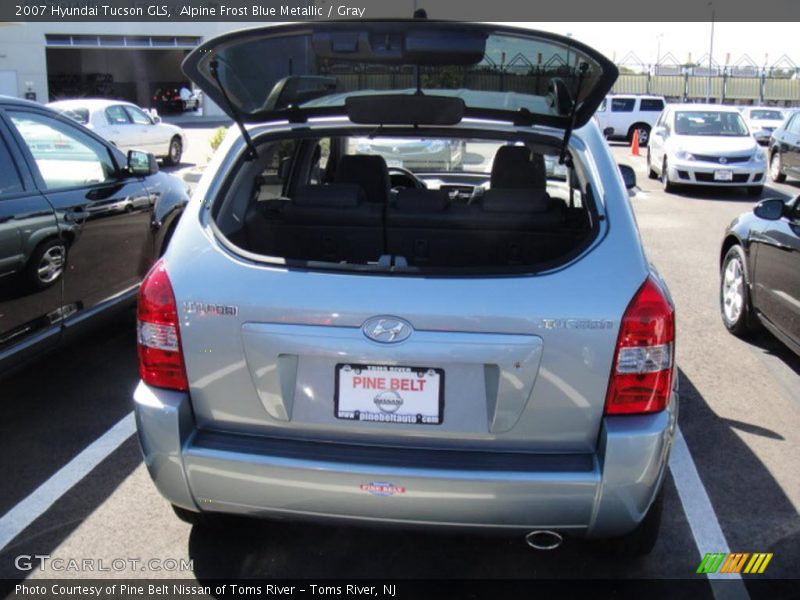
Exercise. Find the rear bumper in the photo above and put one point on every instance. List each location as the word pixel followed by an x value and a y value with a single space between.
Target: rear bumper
pixel 591 495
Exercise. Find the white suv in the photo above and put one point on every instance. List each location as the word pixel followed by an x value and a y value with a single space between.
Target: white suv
pixel 620 115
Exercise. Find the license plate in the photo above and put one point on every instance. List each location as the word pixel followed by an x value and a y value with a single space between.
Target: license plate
pixel 723 175
pixel 382 394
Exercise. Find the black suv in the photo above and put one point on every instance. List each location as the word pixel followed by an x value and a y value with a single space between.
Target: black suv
pixel 80 225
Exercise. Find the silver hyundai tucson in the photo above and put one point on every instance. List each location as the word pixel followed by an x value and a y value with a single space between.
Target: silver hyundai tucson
pixel 348 327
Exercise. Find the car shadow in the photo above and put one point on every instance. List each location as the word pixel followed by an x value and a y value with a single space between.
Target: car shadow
pixel 772 346
pixel 754 512
pixel 52 409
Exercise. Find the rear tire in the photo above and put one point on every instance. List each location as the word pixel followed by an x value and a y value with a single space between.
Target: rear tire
pixel 776 168
pixel 641 540
pixel 734 294
pixel 46 264
pixel 644 134
pixel 175 152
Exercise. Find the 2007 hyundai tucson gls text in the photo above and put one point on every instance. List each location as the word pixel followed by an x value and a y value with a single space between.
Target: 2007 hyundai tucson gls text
pixel 341 330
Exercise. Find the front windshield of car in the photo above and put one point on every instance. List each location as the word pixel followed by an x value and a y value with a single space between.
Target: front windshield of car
pixel 440 155
pixel 766 115
pixel 710 122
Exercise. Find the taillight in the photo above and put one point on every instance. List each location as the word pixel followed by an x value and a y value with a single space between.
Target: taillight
pixel 641 377
pixel 160 357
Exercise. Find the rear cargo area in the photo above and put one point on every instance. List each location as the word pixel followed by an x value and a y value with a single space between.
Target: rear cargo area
pixel 504 204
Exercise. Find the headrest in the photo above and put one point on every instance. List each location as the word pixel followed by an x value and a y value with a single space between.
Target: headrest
pixel 333 195
pixel 513 169
pixel 420 200
pixel 367 170
pixel 515 201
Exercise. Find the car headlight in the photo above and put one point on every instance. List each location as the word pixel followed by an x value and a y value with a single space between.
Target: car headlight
pixel 684 155
pixel 759 155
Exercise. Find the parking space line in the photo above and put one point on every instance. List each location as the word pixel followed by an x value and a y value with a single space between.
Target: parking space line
pixel 702 519
pixel 41 499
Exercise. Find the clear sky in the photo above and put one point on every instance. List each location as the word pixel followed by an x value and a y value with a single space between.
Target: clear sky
pixel 617 39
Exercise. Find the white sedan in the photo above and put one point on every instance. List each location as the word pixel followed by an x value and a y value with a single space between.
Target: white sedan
pixel 705 144
pixel 127 126
pixel 762 121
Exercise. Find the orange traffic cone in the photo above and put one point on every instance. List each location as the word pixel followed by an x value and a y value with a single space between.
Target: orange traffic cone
pixel 635 143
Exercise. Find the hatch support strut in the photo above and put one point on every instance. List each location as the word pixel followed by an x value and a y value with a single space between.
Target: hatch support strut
pixel 568 131
pixel 251 149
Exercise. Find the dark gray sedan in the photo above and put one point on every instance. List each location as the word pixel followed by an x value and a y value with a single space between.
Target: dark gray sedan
pixel 760 264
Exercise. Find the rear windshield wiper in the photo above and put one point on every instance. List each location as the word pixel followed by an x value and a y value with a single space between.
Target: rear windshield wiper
pixel 251 149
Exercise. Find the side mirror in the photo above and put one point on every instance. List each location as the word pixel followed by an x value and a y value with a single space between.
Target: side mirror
pixel 142 163
pixel 628 176
pixel 659 131
pixel 770 209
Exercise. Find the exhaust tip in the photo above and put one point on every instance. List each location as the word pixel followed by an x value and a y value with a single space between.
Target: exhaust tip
pixel 543 540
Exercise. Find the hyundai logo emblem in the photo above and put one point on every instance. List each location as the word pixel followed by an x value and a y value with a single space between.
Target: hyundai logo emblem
pixel 723 160
pixel 387 330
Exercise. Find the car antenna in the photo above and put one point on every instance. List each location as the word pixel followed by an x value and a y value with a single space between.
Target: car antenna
pixel 251 149
pixel 568 131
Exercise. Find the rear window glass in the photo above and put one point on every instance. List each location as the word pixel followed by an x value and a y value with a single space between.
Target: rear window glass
pixel 302 70
pixel 766 115
pixel 650 104
pixel 622 104
pixel 81 115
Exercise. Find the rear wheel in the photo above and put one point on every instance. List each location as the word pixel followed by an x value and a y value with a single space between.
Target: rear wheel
pixel 644 133
pixel 776 168
pixel 734 294
pixel 175 152
pixel 641 540
pixel 47 263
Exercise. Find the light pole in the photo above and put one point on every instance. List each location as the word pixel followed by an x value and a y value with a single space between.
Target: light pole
pixel 658 52
pixel 710 54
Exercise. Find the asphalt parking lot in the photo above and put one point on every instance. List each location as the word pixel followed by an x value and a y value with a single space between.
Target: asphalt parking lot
pixel 737 485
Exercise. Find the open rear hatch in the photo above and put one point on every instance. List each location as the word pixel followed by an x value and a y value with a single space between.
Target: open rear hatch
pixel 307 70
pixel 500 363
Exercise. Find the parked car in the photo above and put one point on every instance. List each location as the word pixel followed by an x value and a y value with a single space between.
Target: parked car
pixel 314 346
pixel 178 98
pixel 127 126
pixel 784 149
pixel 80 224
pixel 708 145
pixel 762 121
pixel 620 115
pixel 760 271
pixel 416 154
